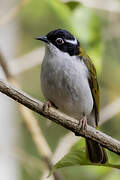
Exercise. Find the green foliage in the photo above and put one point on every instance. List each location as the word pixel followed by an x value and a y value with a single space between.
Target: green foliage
pixel 77 156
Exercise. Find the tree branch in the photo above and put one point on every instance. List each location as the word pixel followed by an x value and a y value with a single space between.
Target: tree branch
pixel 60 118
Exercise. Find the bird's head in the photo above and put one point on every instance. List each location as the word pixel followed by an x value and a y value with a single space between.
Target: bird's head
pixel 62 40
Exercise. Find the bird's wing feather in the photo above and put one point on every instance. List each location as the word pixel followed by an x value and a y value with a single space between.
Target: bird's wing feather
pixel 93 83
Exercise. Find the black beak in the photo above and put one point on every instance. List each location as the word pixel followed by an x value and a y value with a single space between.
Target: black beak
pixel 43 38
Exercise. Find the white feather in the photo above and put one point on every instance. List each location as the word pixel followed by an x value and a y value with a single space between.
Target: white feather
pixel 72 41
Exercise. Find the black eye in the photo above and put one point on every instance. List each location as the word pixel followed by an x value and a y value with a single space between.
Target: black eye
pixel 59 41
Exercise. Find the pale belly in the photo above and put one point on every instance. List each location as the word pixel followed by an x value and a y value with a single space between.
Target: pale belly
pixel 67 87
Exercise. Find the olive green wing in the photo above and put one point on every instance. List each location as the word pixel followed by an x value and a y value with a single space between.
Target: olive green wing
pixel 93 83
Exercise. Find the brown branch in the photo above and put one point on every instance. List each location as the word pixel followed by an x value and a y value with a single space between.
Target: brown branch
pixel 60 118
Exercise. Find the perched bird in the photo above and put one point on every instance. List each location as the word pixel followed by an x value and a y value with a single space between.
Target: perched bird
pixel 69 82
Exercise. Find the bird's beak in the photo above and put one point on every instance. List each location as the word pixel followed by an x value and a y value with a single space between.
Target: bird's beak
pixel 43 38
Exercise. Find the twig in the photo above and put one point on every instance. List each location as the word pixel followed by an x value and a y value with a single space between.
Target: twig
pixel 60 118
pixel 4 65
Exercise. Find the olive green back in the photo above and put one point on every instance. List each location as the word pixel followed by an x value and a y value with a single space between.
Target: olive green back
pixel 93 83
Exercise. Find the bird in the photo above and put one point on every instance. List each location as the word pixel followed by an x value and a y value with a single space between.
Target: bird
pixel 69 83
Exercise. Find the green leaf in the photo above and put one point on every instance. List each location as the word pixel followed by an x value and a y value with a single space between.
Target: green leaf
pixel 77 156
pixel 72 4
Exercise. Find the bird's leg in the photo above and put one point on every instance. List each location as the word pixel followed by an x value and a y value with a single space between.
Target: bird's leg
pixel 46 106
pixel 82 124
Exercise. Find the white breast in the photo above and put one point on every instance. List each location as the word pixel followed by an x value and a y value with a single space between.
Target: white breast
pixel 64 81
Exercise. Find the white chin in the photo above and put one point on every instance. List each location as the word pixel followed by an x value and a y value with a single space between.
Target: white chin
pixel 53 49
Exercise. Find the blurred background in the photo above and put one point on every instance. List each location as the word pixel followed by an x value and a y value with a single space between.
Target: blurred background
pixel 97 25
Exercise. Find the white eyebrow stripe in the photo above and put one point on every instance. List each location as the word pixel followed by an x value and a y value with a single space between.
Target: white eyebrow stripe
pixel 72 41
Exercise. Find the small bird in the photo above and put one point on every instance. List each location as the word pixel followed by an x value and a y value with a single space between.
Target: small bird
pixel 69 83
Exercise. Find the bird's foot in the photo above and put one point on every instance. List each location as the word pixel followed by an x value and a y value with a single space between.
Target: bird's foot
pixel 46 106
pixel 82 124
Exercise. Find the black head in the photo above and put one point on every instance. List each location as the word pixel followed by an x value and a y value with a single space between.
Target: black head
pixel 63 40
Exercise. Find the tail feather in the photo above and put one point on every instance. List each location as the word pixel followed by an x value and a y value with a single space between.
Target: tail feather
pixel 96 153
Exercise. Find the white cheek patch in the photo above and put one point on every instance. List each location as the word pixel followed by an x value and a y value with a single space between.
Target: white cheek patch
pixel 72 41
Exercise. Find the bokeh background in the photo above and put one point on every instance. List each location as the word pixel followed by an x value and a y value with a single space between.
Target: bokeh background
pixel 97 25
